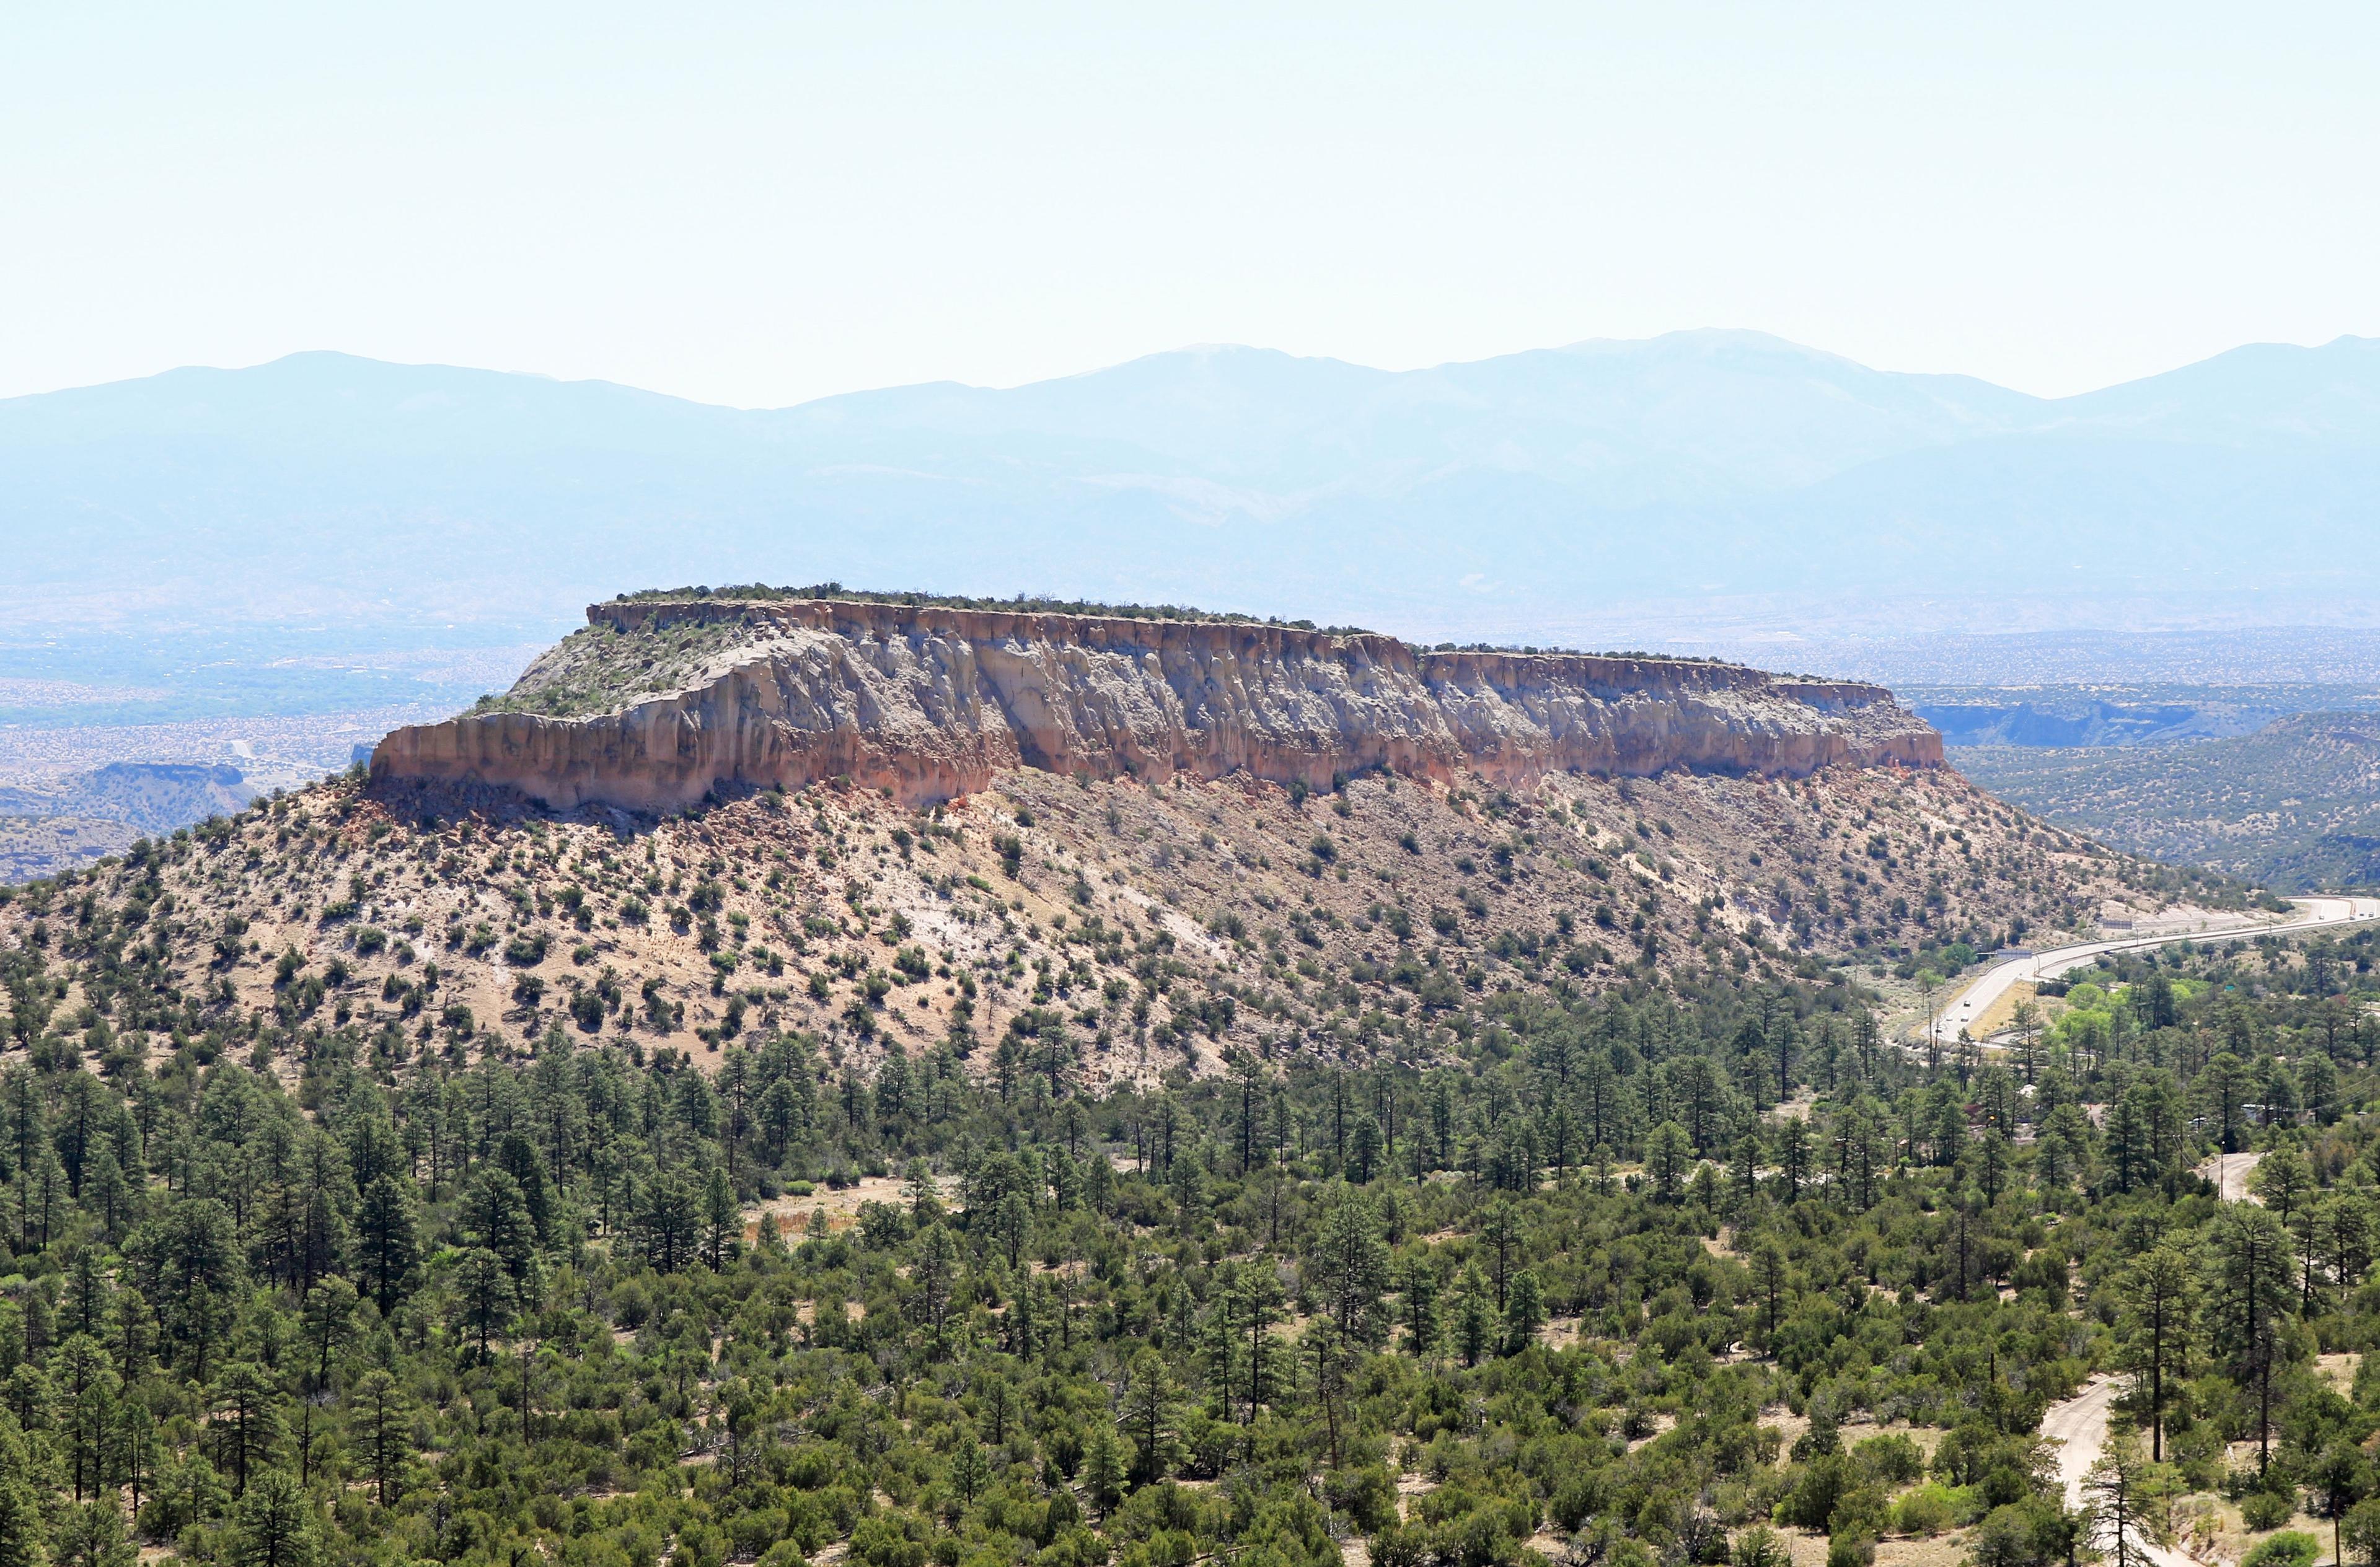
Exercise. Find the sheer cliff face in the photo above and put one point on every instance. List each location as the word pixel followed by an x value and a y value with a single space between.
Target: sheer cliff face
pixel 933 702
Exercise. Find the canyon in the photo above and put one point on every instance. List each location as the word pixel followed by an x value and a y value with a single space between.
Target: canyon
pixel 662 703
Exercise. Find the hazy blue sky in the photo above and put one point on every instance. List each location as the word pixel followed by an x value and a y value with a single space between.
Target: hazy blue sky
pixel 761 203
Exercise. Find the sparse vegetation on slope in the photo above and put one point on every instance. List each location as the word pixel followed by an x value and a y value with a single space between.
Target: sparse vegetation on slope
pixel 2295 806
pixel 1161 924
pixel 38 845
pixel 603 668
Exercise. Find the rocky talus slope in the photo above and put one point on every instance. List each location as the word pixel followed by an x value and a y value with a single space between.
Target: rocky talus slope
pixel 660 703
pixel 1151 928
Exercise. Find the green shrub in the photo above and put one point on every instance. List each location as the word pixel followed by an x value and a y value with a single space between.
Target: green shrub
pixel 1893 1459
pixel 1817 1486
pixel 1865 1510
pixel 1821 1440
pixel 811 1468
pixel 2269 1510
pixel 2198 1452
pixel 888 1540
pixel 1367 1496
pixel 2029 1534
pixel 1926 1511
pixel 2290 1547
pixel 1398 1546
pixel 755 1532
pixel 1760 1548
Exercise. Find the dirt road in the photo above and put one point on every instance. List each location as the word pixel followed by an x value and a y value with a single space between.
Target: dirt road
pixel 2229 1172
pixel 2078 1426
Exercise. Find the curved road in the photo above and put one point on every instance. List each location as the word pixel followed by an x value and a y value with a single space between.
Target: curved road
pixel 2079 1427
pixel 1972 1003
pixel 2229 1172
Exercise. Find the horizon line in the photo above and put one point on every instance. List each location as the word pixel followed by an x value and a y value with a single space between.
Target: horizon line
pixel 1738 333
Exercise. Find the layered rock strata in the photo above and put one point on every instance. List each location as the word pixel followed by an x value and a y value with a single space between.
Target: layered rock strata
pixel 930 703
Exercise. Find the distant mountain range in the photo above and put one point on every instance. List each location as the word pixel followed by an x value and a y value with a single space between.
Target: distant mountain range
pixel 1538 489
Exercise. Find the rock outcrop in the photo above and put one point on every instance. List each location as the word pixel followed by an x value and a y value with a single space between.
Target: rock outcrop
pixel 932 702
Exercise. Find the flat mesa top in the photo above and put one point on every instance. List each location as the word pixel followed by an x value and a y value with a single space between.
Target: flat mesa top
pixel 636 612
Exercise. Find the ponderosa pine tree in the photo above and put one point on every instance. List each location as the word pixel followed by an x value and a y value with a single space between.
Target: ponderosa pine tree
pixel 2160 1307
pixel 2254 1296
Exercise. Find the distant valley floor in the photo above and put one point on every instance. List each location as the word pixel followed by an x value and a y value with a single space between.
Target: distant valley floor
pixel 70 794
pixel 2294 806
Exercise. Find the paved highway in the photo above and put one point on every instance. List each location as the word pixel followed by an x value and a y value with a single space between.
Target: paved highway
pixel 1987 988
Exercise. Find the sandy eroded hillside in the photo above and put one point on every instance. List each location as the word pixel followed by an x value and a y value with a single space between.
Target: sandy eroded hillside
pixel 1160 925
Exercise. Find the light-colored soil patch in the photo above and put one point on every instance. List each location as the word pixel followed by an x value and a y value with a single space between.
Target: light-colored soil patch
pixel 2200 1526
pixel 1663 1423
pixel 1927 1438
pixel 2209 1529
pixel 841 1207
pixel 2340 1372
pixel 1808 1549
pixel 1943 1550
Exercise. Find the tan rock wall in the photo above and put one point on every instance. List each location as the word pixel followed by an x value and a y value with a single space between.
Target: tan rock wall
pixel 932 702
